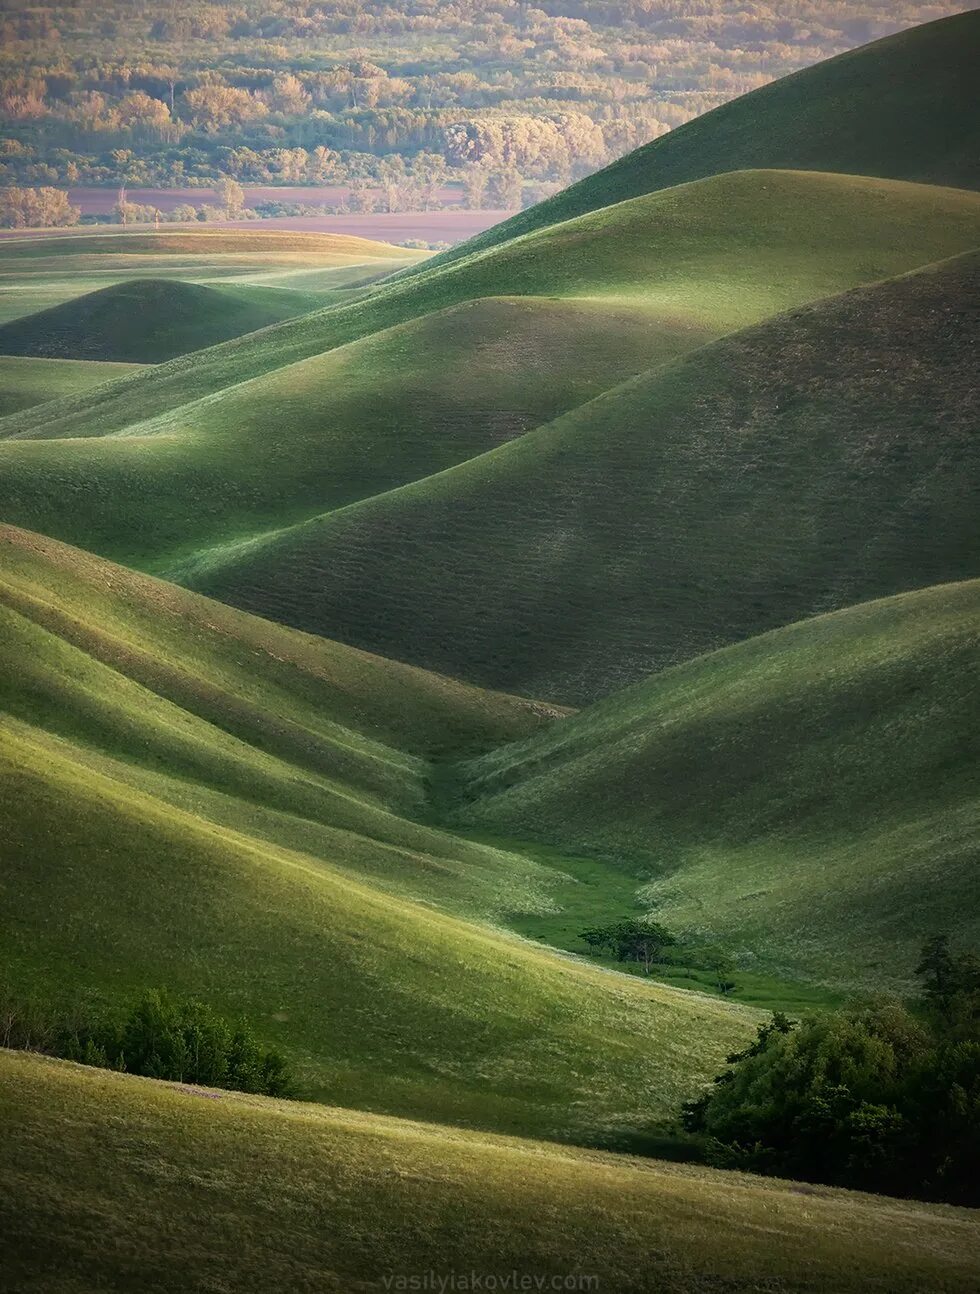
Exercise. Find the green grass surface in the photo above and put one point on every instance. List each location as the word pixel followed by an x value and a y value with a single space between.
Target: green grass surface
pixel 820 459
pixel 594 890
pixel 38 272
pixel 260 1194
pixel 330 430
pixel 715 255
pixel 902 108
pixel 807 799
pixel 28 382
pixel 194 798
pixel 148 321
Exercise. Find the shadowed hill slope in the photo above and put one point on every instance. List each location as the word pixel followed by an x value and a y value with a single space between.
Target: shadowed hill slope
pixel 361 1198
pixel 693 253
pixel 809 797
pixel 357 421
pixel 822 458
pixel 148 321
pixel 228 797
pixel 902 108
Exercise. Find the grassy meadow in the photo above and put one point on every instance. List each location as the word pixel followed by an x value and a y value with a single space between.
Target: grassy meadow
pixel 372 624
pixel 27 381
pixel 335 1199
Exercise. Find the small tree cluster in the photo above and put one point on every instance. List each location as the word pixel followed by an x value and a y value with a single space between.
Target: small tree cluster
pixel 36 208
pixel 630 940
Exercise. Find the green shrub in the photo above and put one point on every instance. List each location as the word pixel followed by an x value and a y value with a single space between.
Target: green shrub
pixel 167 1037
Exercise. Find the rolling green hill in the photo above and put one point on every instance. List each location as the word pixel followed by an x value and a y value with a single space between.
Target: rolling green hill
pixel 148 321
pixel 41 271
pixel 28 382
pixel 809 797
pixel 362 419
pixel 693 254
pixel 902 108
pixel 197 799
pixel 819 459
pixel 336 1200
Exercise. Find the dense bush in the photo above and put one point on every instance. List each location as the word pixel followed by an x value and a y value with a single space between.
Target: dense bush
pixel 878 1097
pixel 162 1037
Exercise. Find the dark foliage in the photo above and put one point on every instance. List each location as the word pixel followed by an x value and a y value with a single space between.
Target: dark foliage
pixel 878 1097
pixel 174 1038
pixel 630 940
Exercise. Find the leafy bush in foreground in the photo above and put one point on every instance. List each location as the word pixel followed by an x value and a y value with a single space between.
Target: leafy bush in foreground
pixel 166 1037
pixel 874 1097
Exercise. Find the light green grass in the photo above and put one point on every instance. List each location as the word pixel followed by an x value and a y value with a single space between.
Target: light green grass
pixel 196 799
pixel 902 108
pixel 27 382
pixel 261 1194
pixel 823 458
pixel 718 254
pixel 806 800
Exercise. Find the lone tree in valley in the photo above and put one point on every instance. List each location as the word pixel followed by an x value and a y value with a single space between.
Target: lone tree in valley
pixel 631 939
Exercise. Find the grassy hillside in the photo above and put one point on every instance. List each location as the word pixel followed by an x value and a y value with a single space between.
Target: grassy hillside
pixel 903 108
pixel 331 1199
pixel 148 321
pixel 693 254
pixel 808 797
pixel 820 459
pixel 196 799
pixel 335 428
pixel 27 382
pixel 41 271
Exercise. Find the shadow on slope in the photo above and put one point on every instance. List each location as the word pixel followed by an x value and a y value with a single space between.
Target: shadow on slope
pixel 820 459
pixel 809 797
pixel 148 321
pixel 721 253
pixel 357 421
pixel 193 798
pixel 363 1200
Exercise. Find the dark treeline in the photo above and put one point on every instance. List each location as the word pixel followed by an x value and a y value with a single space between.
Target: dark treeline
pixel 882 1097
pixel 392 97
pixel 161 1036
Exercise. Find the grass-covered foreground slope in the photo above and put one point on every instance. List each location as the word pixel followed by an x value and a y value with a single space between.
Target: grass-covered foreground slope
pixel 148 321
pixel 823 458
pixel 195 799
pixel 902 108
pixel 262 1194
pixel 809 798
pixel 27 382
pixel 692 254
pixel 362 419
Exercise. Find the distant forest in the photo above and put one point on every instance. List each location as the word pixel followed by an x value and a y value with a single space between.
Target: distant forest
pixel 392 99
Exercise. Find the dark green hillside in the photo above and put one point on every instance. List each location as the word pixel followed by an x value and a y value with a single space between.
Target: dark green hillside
pixel 820 459
pixel 808 797
pixel 148 321
pixel 336 1200
pixel 694 255
pixel 357 421
pixel 198 799
pixel 903 108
